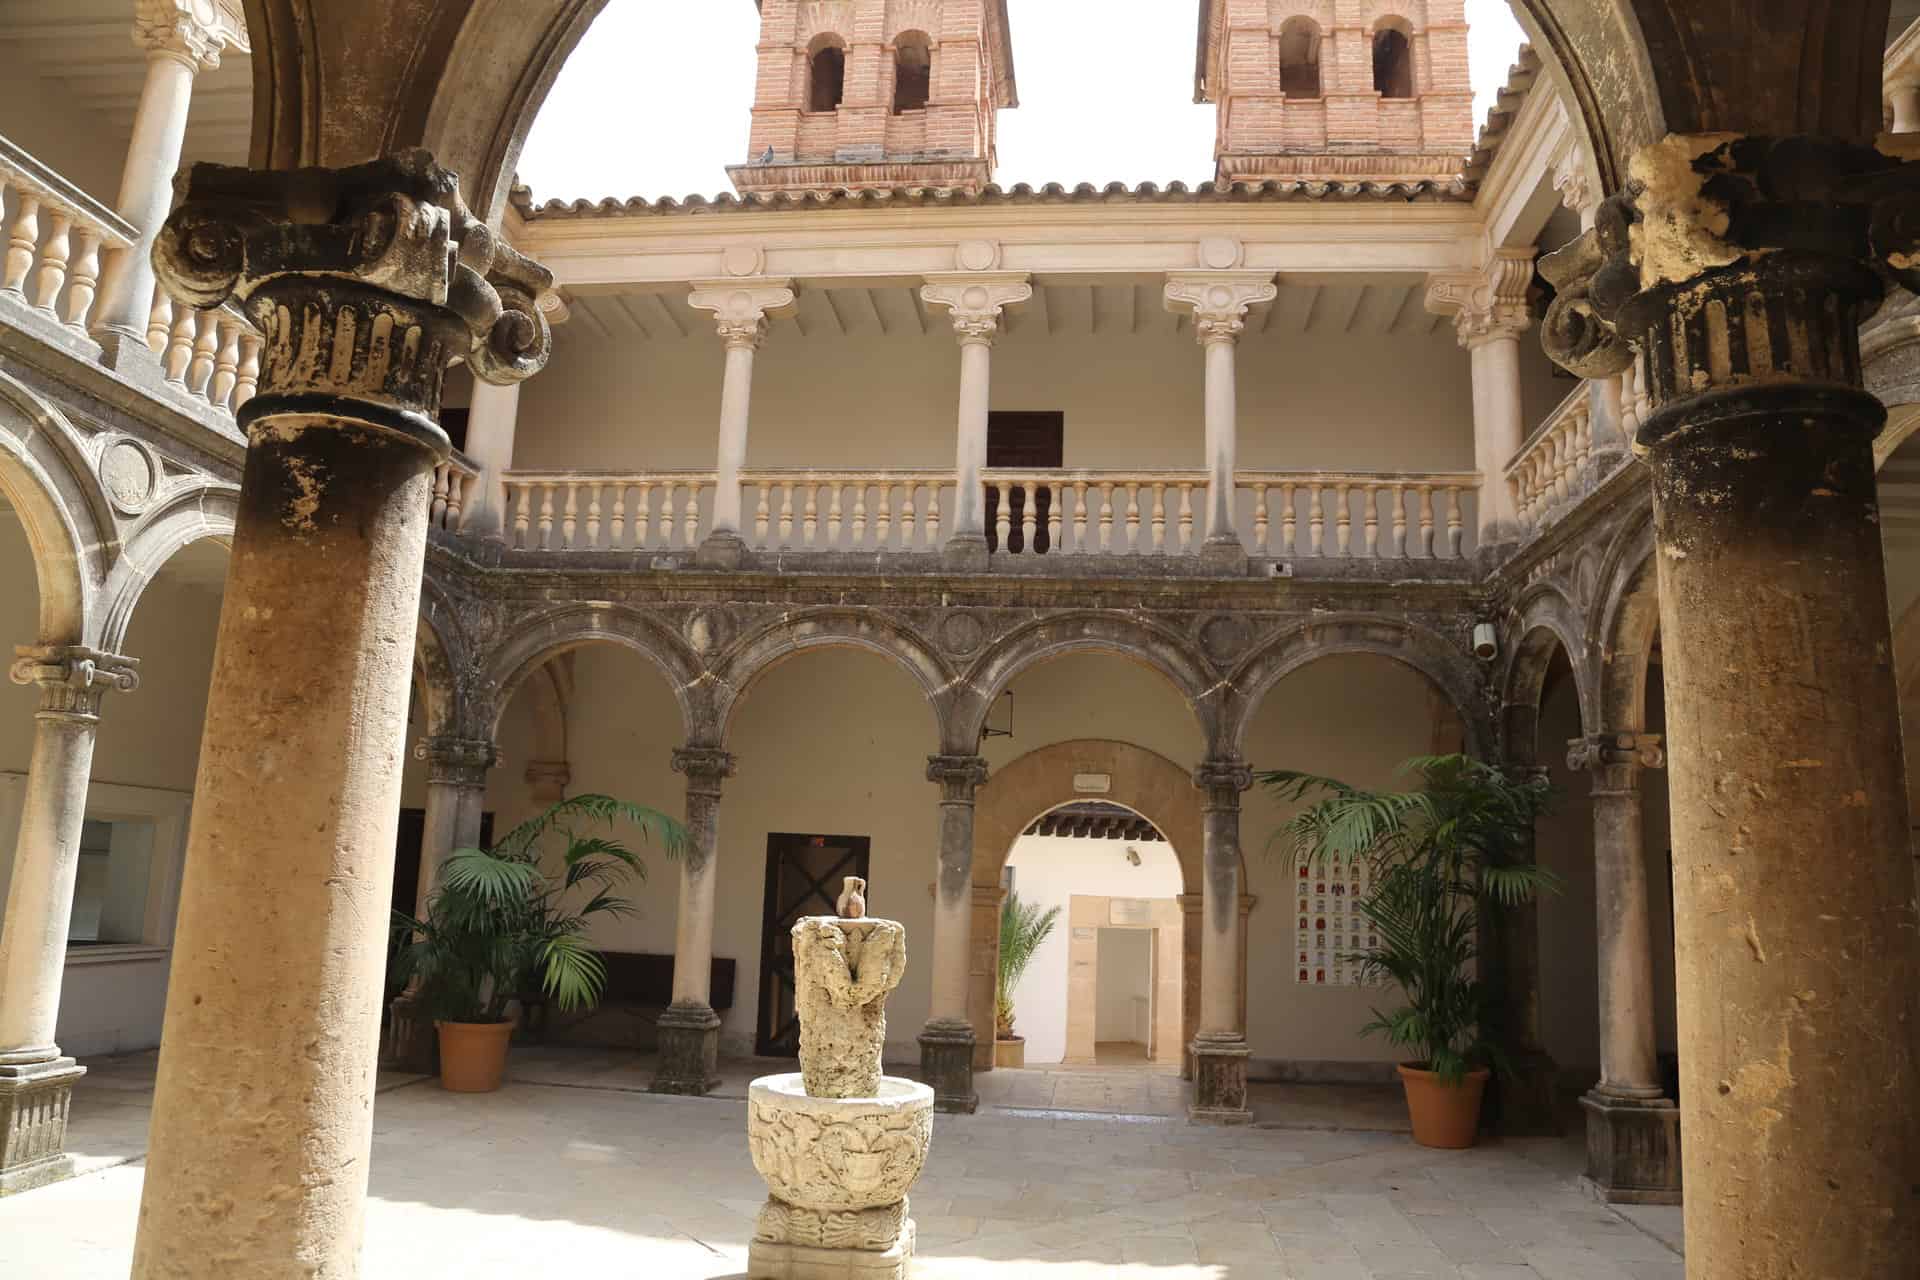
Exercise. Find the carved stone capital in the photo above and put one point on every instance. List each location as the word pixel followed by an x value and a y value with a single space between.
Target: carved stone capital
pixel 72 677
pixel 741 308
pixel 187 31
pixel 366 282
pixel 1218 300
pixel 1616 758
pixel 959 776
pixel 1573 178
pixel 461 762
pixel 975 299
pixel 1487 304
pixel 705 767
pixel 1223 781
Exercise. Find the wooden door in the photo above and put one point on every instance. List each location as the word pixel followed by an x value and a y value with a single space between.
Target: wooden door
pixel 1025 441
pixel 804 875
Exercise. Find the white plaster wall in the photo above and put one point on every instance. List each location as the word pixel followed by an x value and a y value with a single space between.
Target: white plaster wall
pixel 1126 976
pixel 39 115
pixel 1049 871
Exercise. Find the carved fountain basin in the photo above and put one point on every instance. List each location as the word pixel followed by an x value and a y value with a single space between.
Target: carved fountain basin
pixel 834 1154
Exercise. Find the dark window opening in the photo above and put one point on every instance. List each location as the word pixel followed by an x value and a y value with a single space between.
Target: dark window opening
pixel 1023 440
pixel 912 75
pixel 828 80
pixel 454 423
pixel 1300 58
pixel 1392 64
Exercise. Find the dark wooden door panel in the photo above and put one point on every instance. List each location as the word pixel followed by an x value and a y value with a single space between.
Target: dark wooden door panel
pixel 804 875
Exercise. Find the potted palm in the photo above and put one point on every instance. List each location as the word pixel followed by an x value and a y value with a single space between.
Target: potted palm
pixel 1023 927
pixel 499 924
pixel 1438 857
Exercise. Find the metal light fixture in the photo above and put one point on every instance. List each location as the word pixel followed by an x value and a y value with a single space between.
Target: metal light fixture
pixel 988 731
pixel 1485 645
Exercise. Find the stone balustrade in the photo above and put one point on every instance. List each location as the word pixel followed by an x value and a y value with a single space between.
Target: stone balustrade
pixel 55 237
pixel 455 485
pixel 213 356
pixel 1553 460
pixel 1306 514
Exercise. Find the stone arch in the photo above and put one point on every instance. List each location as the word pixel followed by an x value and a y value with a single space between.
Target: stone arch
pixel 435 677
pixel 1542 621
pixel 48 479
pixel 1445 665
pixel 1144 781
pixel 1626 625
pixel 1297 46
pixel 534 642
pixel 912 71
pixel 826 72
pixel 1393 57
pixel 190 514
pixel 751 657
pixel 1155 647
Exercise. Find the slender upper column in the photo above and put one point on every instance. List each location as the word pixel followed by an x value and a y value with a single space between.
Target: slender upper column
pixel 1489 308
pixel 179 44
pixel 1218 302
pixel 1629 1061
pixel 366 283
pixel 706 768
pixel 456 796
pixel 740 309
pixel 960 778
pixel 33 934
pixel 493 419
pixel 975 299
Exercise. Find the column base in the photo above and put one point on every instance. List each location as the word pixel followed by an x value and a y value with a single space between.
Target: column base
pixel 720 550
pixel 1219 1081
pixel 965 553
pixel 1524 1104
pixel 412 1042
pixel 34 1099
pixel 946 1063
pixel 1224 556
pixel 689 1051
pixel 1633 1148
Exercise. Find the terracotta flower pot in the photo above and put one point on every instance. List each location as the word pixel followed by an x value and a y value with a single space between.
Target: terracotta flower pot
pixel 473 1055
pixel 1010 1053
pixel 1444 1115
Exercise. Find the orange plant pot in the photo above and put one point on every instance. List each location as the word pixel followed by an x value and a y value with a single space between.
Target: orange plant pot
pixel 1010 1053
pixel 1444 1115
pixel 473 1055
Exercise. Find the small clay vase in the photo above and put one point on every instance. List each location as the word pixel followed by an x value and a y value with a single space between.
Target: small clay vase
pixel 853 899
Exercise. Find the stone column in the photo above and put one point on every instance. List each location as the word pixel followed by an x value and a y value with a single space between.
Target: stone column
pixel 1490 313
pixel 946 1042
pixel 1798 948
pixel 975 299
pixel 1633 1128
pixel 1218 302
pixel 740 308
pixel 36 1080
pixel 1220 1048
pixel 366 282
pixel 179 44
pixel 456 796
pixel 690 1029
pixel 492 419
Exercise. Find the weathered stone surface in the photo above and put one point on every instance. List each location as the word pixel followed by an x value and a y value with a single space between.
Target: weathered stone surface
pixel 946 1063
pixel 843 972
pixel 33 1123
pixel 835 1154
pixel 689 1050
pixel 1633 1149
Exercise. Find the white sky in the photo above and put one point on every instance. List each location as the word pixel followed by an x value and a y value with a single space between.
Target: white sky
pixel 685 70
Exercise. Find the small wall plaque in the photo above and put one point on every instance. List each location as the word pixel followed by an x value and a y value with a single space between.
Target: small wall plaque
pixel 1092 784
pixel 1130 911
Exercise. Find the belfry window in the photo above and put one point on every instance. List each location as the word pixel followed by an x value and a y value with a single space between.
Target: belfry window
pixel 827 79
pixel 1300 58
pixel 912 73
pixel 1392 64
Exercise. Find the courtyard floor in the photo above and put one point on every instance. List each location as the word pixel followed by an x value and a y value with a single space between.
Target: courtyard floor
pixel 1064 1174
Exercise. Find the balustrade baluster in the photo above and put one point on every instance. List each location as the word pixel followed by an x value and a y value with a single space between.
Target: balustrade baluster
pixel 1343 520
pixel 1058 500
pixel 159 322
pixel 521 517
pixel 1106 518
pixel 1426 521
pixel 762 514
pixel 690 522
pixel 1003 516
pixel 1159 519
pixel 786 515
pixel 909 531
pixel 617 518
pixel 1133 517
pixel 1371 496
pixel 186 327
pixel 1316 519
pixel 1080 515
pixel 1518 494
pixel 53 263
pixel 437 509
pixel 593 516
pixel 883 518
pixel 1189 540
pixel 1029 514
pixel 546 516
pixel 811 519
pixel 1260 519
pixel 569 515
pixel 457 483
pixel 1397 494
pixel 1287 543
pixel 23 239
pixel 933 514
pixel 205 341
pixel 833 513
pixel 859 515
pixel 86 280
pixel 226 365
pixel 1456 528
pixel 643 515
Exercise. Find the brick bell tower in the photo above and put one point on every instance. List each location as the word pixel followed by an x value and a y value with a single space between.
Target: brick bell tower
pixel 876 94
pixel 1336 90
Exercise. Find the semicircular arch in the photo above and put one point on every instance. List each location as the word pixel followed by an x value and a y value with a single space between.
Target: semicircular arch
pixel 550 634
pixel 753 655
pixel 45 475
pixel 190 513
pixel 1543 622
pixel 1625 629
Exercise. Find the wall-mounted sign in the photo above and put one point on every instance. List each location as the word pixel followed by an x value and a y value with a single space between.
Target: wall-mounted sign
pixel 1092 784
pixel 1129 911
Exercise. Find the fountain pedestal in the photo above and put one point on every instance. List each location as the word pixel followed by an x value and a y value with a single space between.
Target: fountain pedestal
pixel 838 1143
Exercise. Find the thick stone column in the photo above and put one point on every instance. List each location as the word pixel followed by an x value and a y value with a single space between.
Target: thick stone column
pixel 1633 1128
pixel 36 1080
pixel 975 299
pixel 1490 313
pixel 179 44
pixel 1218 302
pixel 690 1029
pixel 1220 1048
pixel 740 309
pixel 1798 950
pixel 367 282
pixel 456 797
pixel 947 1042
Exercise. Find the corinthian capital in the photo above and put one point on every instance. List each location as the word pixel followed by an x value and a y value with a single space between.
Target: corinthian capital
pixel 976 299
pixel 741 308
pixel 959 776
pixel 1223 781
pixel 186 30
pixel 463 762
pixel 72 677
pixel 1489 303
pixel 1615 750
pixel 1218 300
pixel 367 282
pixel 705 767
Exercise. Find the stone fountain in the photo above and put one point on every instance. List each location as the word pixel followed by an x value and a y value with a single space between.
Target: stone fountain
pixel 838 1143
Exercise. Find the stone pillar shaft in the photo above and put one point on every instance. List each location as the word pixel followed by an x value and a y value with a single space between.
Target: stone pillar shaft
pixel 1219 301
pixel 690 1029
pixel 1222 428
pixel 947 1041
pixel 736 398
pixel 492 419
pixel 1220 1048
pixel 740 308
pixel 976 301
pixel 1489 308
pixel 456 798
